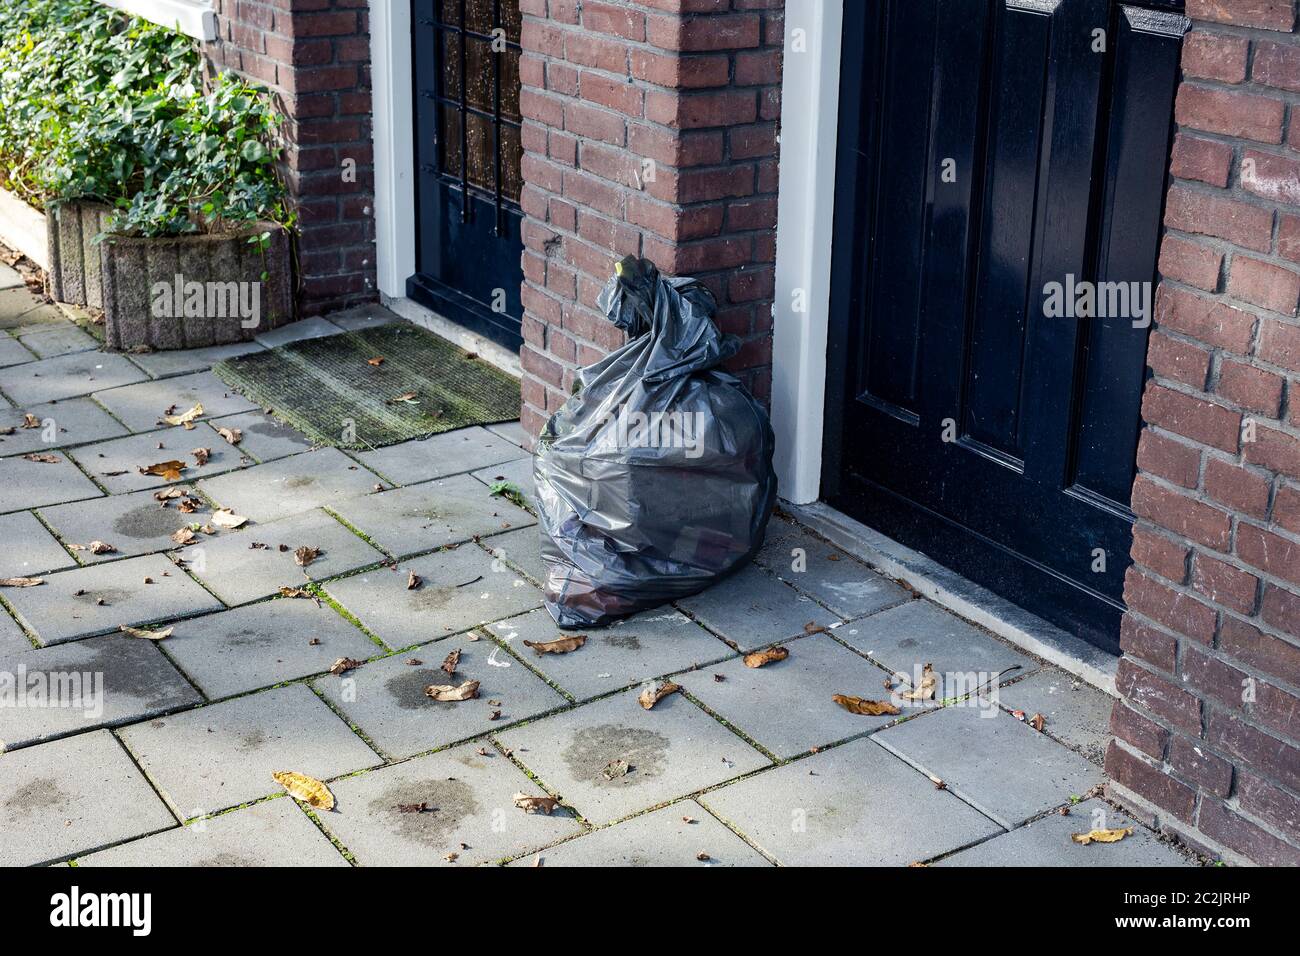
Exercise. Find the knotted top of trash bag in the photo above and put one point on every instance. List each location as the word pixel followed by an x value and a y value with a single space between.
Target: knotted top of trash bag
pixel 678 313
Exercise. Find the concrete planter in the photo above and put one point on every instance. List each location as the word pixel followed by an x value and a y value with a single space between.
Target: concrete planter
pixel 75 273
pixel 194 291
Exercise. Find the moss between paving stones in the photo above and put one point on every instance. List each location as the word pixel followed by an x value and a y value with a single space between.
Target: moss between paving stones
pixel 326 388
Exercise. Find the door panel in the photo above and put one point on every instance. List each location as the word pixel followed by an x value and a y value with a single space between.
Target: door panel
pixel 468 154
pixel 988 149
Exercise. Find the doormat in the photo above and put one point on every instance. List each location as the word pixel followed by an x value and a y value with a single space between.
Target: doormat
pixel 374 387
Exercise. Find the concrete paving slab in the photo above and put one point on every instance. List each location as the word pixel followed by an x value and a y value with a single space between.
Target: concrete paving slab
pixel 223 755
pixel 511 431
pixel 786 706
pixel 142 407
pixel 1047 842
pixel 291 485
pixel 297 331
pixel 180 361
pixel 264 644
pixel 960 744
pixel 67 606
pixel 9 278
pixel 472 812
pixel 386 698
pixel 270 833
pixel 521 549
pixel 19 306
pixel 406 521
pixel 845 585
pixel 31 484
pixel 450 453
pixel 907 637
pixel 29 549
pixel 100 682
pixel 74 421
pixel 460 588
pixel 55 340
pixel 237 572
pixel 674 750
pixel 133 524
pixel 638 649
pixel 116 463
pixel 263 437
pixel 52 379
pixel 754 609
pixel 12 351
pixel 12 638
pixel 1077 714
pixel 675 835
pixel 518 472
pixel 73 796
pixel 362 317
pixel 854 805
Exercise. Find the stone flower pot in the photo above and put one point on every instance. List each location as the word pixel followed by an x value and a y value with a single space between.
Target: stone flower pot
pixel 75 272
pixel 189 292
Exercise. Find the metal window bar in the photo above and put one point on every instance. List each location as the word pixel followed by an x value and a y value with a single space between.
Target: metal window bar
pixel 464 120
pixel 497 226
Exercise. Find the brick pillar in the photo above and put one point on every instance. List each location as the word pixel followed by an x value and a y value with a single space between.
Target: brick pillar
pixel 1208 725
pixel 315 56
pixel 649 129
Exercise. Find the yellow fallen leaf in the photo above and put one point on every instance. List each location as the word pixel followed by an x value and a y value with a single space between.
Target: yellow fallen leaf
pixel 766 656
pixel 147 635
pixel 1101 836
pixel 860 705
pixel 307 789
pixel 562 645
pixel 187 419
pixel 167 470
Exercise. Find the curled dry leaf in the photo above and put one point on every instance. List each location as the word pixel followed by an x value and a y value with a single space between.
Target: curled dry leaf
pixel 101 547
pixel 422 807
pixel 406 397
pixel 147 635
pixel 926 690
pixel 377 361
pixel 1038 722
pixel 653 694
pixel 869 708
pixel 201 456
pixel 183 535
pixel 43 458
pixel 307 789
pixel 166 494
pixel 233 436
pixel 413 581
pixel 186 419
pixel 812 627
pixel 344 664
pixel 448 692
pixel 451 662
pixel 562 645
pixel 31 421
pixel 20 582
pixel 187 506
pixel 305 556
pixel 288 592
pixel 531 804
pixel 1102 836
pixel 615 769
pixel 766 656
pixel 225 518
pixel 166 470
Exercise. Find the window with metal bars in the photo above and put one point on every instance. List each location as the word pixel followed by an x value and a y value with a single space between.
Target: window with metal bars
pixel 478 144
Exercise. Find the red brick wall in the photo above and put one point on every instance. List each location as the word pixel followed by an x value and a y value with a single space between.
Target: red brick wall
pixel 315 56
pixel 693 86
pixel 1208 725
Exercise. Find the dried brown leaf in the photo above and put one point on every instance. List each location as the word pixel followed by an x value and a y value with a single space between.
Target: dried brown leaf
pixel 304 556
pixel 100 547
pixel 20 582
pixel 448 692
pixel 413 581
pixel 166 470
pixel 531 804
pixel 1102 836
pixel 451 662
pixel 377 361
pixel 233 436
pixel 869 708
pixel 201 456
pixel 344 664
pixel 309 790
pixel 1038 722
pixel 147 635
pixel 225 518
pixel 562 645
pixel 766 656
pixel 655 693
pixel 31 421
pixel 186 419
pixel 926 689
pixel 43 458
pixel 183 535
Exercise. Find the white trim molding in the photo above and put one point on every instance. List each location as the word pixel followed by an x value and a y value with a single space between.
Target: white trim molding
pixel 394 136
pixel 191 17
pixel 810 97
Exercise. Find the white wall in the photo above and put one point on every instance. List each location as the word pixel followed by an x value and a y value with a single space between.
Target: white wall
pixel 192 17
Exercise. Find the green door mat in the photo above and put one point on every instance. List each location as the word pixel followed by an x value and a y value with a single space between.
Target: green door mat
pixel 337 392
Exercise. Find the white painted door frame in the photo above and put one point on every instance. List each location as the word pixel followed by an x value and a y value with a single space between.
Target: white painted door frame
pixel 394 133
pixel 810 94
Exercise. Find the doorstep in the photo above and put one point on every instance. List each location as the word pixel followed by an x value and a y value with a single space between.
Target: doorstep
pixel 439 325
pixel 961 596
pixel 22 229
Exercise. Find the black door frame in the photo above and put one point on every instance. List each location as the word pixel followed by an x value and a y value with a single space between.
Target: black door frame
pixel 930 532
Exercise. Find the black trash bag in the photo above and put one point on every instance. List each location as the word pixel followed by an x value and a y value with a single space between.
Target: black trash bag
pixel 655 479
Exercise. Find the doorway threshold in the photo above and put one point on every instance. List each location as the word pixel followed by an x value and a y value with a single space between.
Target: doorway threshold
pixel 960 595
pixel 484 348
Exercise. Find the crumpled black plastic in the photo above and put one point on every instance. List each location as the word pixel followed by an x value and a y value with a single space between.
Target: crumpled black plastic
pixel 629 523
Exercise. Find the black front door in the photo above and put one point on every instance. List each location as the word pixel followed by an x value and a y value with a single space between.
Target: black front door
pixel 467 156
pixel 998 159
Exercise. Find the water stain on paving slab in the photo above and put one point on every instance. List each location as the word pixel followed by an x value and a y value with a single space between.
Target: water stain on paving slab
pixel 429 598
pixel 449 802
pixel 39 794
pixel 109 596
pixel 407 689
pixel 227 860
pixel 299 481
pixel 592 749
pixel 624 642
pixel 249 637
pixel 147 521
pixel 253 739
pixel 126 676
